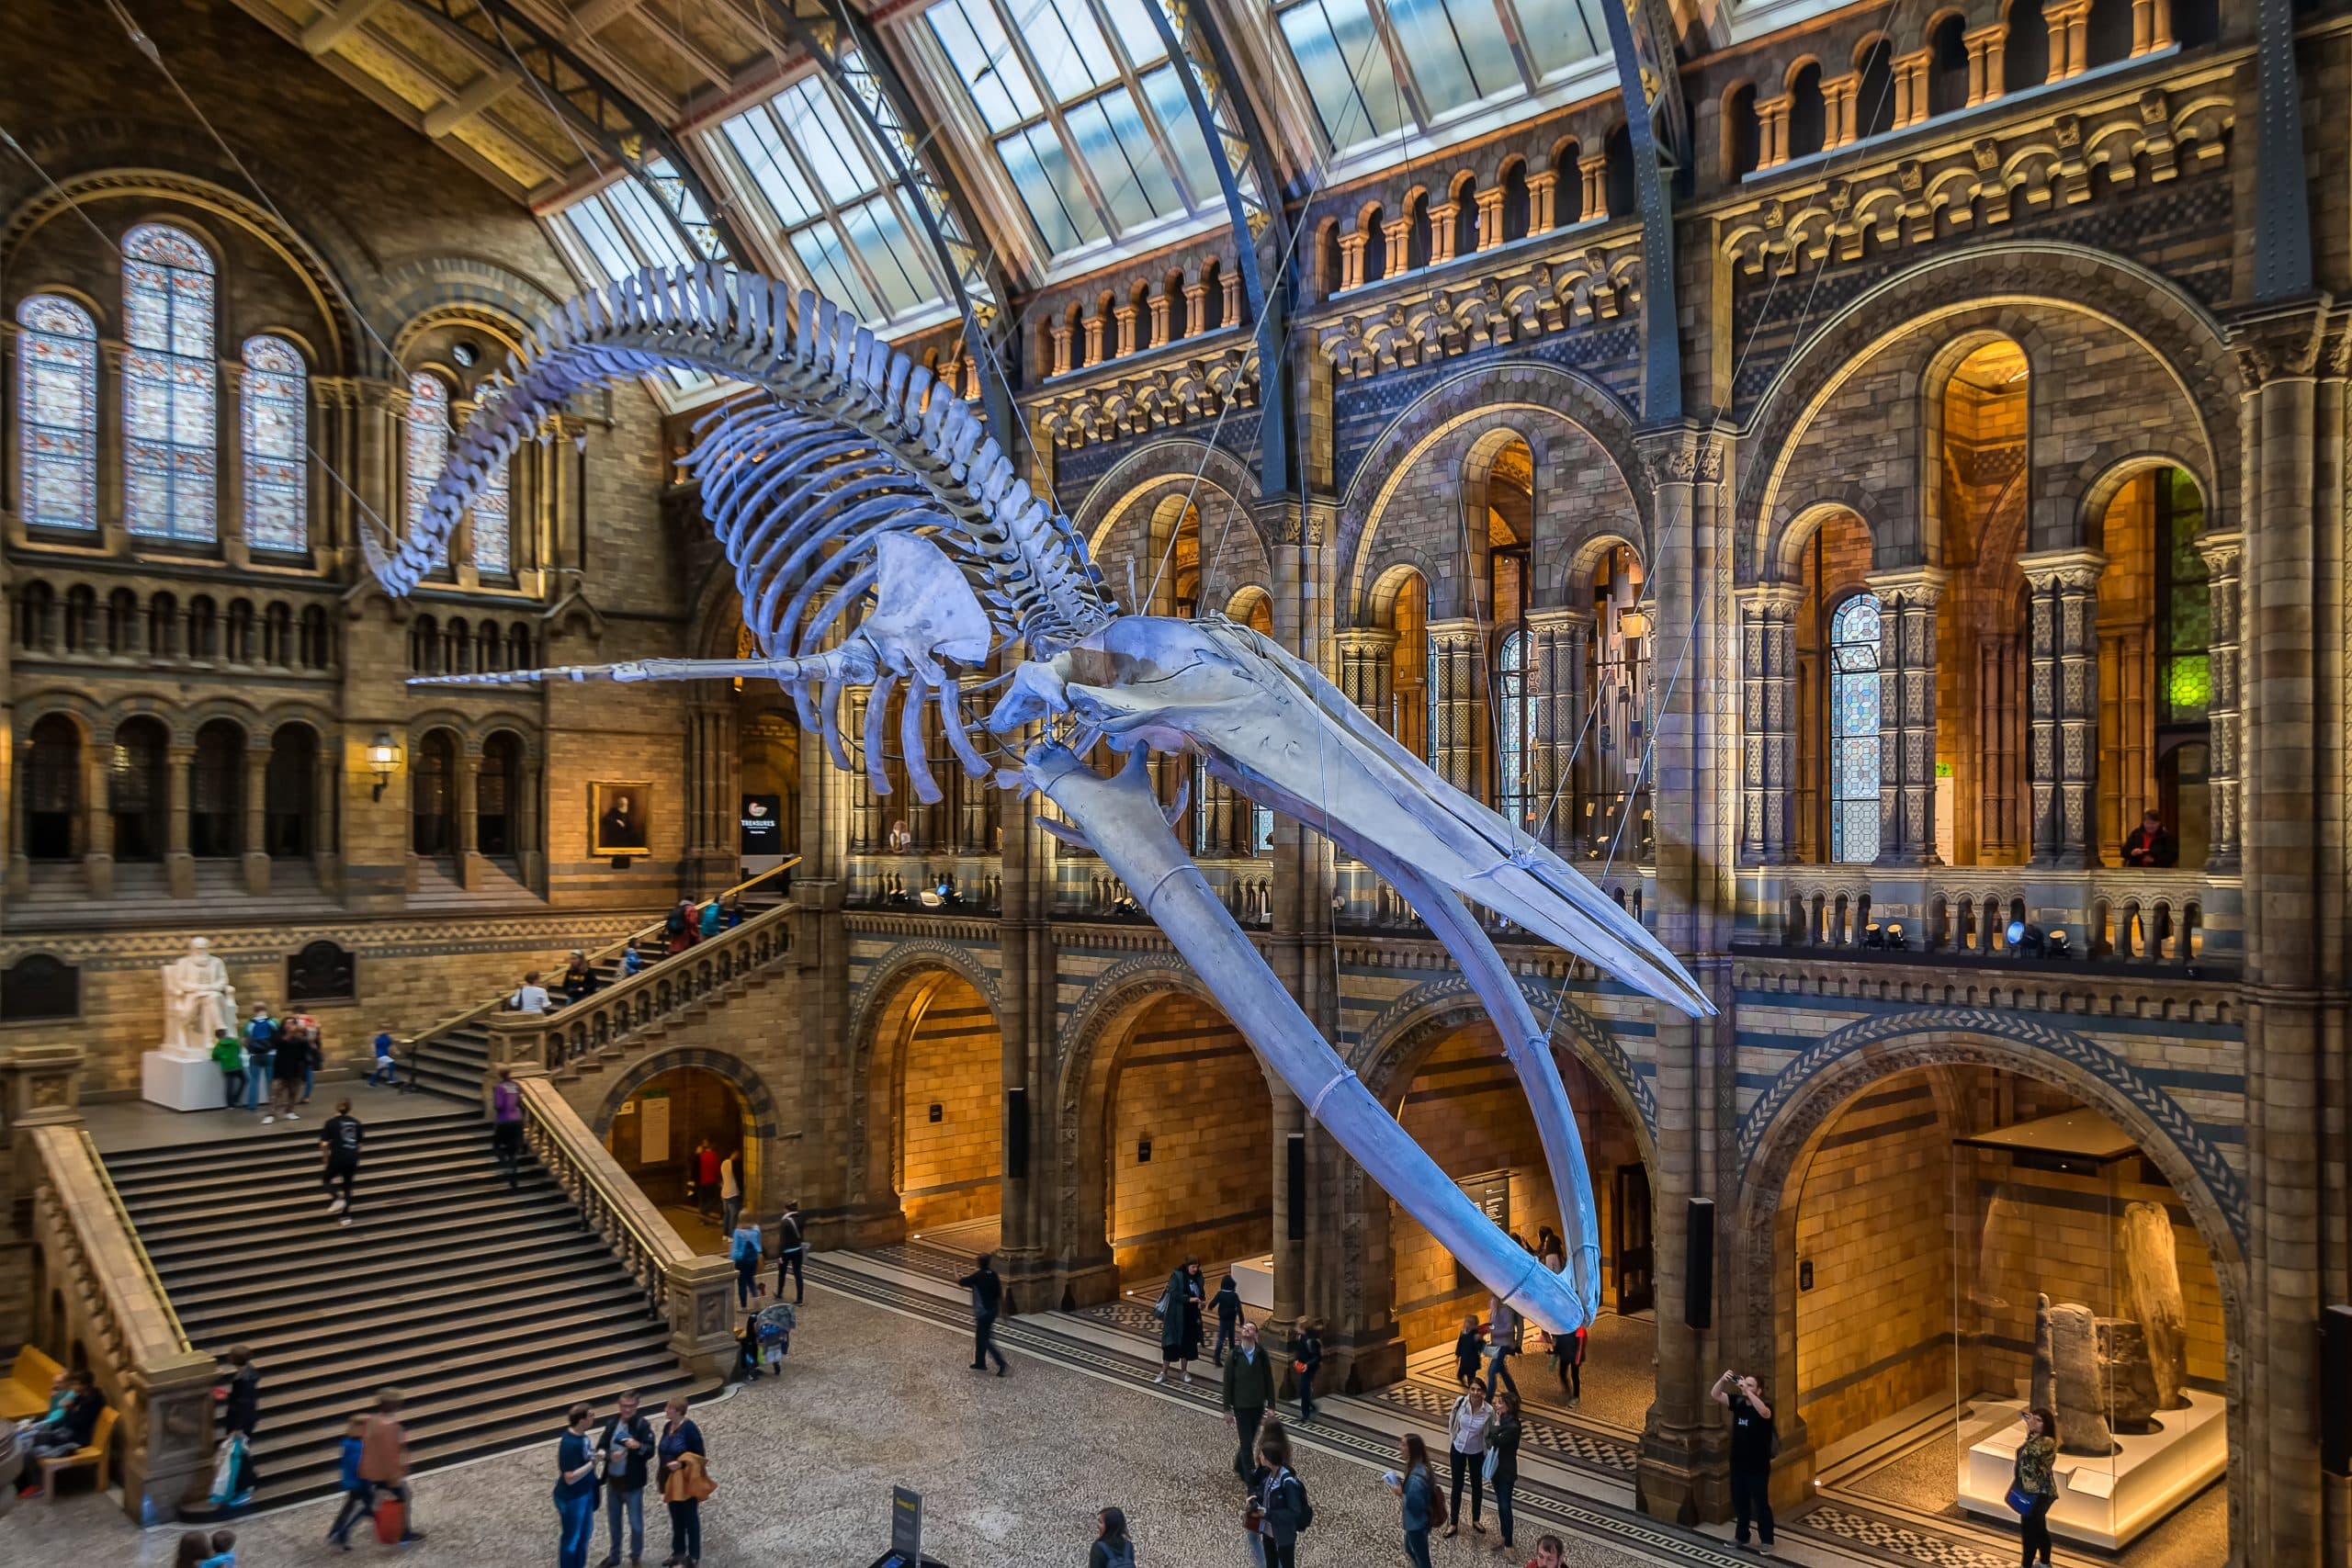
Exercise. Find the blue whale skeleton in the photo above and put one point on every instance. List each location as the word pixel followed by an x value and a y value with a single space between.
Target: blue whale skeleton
pixel 880 539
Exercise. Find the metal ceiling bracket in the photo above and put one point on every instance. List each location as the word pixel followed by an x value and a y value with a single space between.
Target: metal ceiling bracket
pixel 1238 146
pixel 864 75
pixel 1641 35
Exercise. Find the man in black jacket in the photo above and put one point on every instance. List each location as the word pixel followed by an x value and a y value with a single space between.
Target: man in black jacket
pixel 1249 1389
pixel 628 1448
pixel 339 1151
pixel 988 1300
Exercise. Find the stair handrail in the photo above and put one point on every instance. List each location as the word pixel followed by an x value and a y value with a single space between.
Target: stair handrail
pixel 686 1289
pixel 564 1035
pixel 116 1309
pixel 642 933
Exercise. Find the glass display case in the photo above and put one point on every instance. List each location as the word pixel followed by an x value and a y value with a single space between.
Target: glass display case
pixel 2081 1288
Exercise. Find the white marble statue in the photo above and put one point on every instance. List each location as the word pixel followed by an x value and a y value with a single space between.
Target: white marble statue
pixel 197 1000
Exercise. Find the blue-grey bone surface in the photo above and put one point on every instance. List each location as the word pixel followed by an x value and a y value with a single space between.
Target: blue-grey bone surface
pixel 881 540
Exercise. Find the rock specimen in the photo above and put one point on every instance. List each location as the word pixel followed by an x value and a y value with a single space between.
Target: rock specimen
pixel 2078 1392
pixel 2129 1379
pixel 2152 1295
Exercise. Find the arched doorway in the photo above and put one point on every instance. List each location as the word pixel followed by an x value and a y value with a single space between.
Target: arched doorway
pixel 433 796
pixel 288 789
pixel 1956 1241
pixel 137 791
pixel 948 1164
pixel 1190 1162
pixel 656 1135
pixel 216 792
pixel 498 798
pixel 50 787
pixel 1466 1106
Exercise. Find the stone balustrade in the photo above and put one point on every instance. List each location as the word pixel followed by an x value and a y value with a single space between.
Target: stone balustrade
pixel 115 1310
pixel 2176 918
pixel 693 1292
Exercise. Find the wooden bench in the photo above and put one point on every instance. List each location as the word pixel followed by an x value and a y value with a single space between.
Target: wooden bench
pixel 101 1442
pixel 26 1392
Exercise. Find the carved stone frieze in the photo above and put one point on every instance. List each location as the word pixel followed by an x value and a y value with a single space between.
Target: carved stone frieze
pixel 1516 305
pixel 1166 394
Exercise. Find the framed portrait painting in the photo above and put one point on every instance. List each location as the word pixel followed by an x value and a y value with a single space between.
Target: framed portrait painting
pixel 619 814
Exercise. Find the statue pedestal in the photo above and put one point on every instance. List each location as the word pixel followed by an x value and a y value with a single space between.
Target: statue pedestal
pixel 182 1083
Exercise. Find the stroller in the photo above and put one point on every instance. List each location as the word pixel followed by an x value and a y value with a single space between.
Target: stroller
pixel 767 1339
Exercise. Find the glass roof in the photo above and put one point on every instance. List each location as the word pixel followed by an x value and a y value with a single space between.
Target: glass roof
pixel 1087 117
pixel 621 230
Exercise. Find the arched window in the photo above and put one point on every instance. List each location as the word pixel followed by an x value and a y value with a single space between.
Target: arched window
pixel 494 529
pixel 1743 135
pixel 57 413
pixel 50 787
pixel 1948 66
pixel 275 416
pixel 433 796
pixel 1808 112
pixel 1853 732
pixel 216 792
pixel 498 796
pixel 314 638
pixel 287 788
pixel 2025 51
pixel 1874 90
pixel 428 447
pixel 1514 730
pixel 136 792
pixel 168 376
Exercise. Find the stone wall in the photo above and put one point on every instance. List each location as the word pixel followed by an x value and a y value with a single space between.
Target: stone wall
pixel 1187 1084
pixel 952 1117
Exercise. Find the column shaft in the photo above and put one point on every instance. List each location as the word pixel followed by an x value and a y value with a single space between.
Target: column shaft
pixel 2061 698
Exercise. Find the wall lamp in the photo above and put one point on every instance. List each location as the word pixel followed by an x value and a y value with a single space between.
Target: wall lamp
pixel 384 757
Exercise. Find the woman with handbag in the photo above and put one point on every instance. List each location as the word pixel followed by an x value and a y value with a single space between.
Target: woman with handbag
pixel 685 1481
pixel 1178 1311
pixel 2033 1491
pixel 1466 1431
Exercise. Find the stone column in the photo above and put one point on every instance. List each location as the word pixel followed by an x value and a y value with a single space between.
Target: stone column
pixel 1197 309
pixel 1773 131
pixel 179 865
pixel 1060 363
pixel 111 532
pixel 1541 190
pixel 1460 740
pixel 1397 247
pixel 1490 218
pixel 1351 246
pixel 1157 306
pixel 1561 639
pixel 1094 325
pixel 1594 173
pixel 1125 316
pixel 2150 26
pixel 1911 87
pixel 2294 360
pixel 2069 45
pixel 1229 286
pixel 2061 703
pixel 2221 553
pixel 326 796
pixel 1838 95
pixel 97 821
pixel 1368 669
pixel 1906 713
pixel 711 798
pixel 1680 1470
pixel 228 425
pixel 1767 659
pixel 1441 236
pixel 1984 48
pixel 256 844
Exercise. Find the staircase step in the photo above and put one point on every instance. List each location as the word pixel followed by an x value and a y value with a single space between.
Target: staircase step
pixel 332 1387
pixel 365 1258
pixel 136 1166
pixel 234 1319
pixel 162 1202
pixel 282 1341
pixel 292 1215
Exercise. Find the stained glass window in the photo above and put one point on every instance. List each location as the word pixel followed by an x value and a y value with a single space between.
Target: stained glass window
pixel 274 417
pixel 1376 67
pixel 57 413
pixel 2184 602
pixel 1514 728
pixel 1094 130
pixel 429 448
pixel 493 528
pixel 169 444
pixel 1854 755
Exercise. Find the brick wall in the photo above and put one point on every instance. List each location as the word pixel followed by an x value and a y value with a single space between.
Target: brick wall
pixel 951 1168
pixel 1874 1332
pixel 1187 1081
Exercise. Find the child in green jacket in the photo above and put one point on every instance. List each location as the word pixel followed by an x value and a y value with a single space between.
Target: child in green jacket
pixel 228 1056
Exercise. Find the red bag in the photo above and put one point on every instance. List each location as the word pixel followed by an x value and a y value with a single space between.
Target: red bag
pixel 391 1520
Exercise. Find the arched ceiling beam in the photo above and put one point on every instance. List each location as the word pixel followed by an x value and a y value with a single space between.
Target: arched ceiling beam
pixel 864 76
pixel 616 123
pixel 1236 141
pixel 1641 35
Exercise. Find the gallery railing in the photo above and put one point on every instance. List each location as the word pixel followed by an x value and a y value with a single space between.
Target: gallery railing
pixel 2160 918
pixel 653 996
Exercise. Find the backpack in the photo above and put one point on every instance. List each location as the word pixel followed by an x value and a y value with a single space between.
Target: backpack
pixel 1306 1508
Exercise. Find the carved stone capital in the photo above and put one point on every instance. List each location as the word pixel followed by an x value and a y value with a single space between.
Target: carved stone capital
pixel 1681 457
pixel 1377 640
pixel 1918 586
pixel 2285 343
pixel 2048 569
pixel 1777 601
pixel 2221 553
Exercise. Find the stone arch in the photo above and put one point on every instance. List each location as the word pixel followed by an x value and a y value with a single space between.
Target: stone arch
pixel 883 1005
pixel 1780 1131
pixel 1788 564
pixel 759 1196
pixel 1547 406
pixel 1110 1005
pixel 2097 479
pixel 2176 331
pixel 1214 480
pixel 1392 1047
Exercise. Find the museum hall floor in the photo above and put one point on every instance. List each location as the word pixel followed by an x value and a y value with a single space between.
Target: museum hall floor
pixel 877 1391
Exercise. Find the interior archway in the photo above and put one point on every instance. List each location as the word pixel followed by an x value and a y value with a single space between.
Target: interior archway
pixel 948 1166
pixel 658 1132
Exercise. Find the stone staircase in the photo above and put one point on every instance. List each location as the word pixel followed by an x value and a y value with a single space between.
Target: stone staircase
pixel 491 1308
pixel 452 1058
